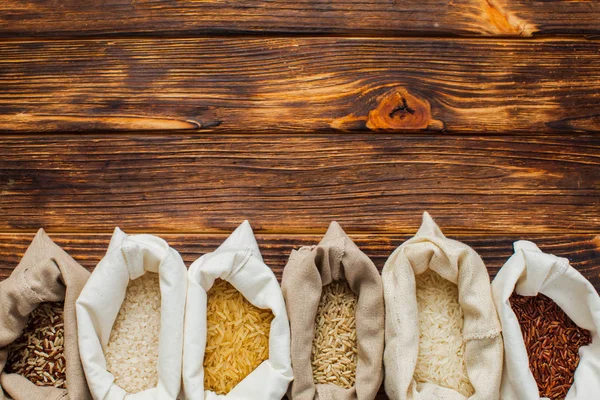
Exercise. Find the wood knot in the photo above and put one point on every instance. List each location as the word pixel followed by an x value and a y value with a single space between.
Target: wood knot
pixel 398 110
pixel 500 22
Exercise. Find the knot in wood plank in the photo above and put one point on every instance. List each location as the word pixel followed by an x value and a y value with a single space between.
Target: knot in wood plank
pixel 398 109
pixel 498 21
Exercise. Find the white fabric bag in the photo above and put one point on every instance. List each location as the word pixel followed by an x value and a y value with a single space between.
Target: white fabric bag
pixel 128 258
pixel 239 262
pixel 461 265
pixel 529 272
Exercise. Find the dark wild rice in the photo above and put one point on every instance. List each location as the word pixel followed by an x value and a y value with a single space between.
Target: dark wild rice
pixel 552 340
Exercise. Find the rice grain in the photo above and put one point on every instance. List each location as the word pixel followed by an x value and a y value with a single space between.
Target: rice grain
pixel 237 338
pixel 441 346
pixel 334 349
pixel 552 341
pixel 132 351
pixel 38 354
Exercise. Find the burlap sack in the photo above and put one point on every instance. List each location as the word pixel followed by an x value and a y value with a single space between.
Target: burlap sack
pixel 45 274
pixel 336 257
pixel 461 265
pixel 530 272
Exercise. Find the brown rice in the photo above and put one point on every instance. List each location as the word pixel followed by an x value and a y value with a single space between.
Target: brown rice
pixel 334 350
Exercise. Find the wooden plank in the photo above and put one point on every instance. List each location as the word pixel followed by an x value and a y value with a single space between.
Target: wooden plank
pixel 78 18
pixel 265 85
pixel 299 183
pixel 583 251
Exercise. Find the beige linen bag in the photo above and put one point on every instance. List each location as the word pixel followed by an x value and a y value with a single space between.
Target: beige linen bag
pixel 45 274
pixel 336 257
pixel 461 265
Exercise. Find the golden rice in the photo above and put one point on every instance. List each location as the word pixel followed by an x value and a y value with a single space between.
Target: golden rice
pixel 237 339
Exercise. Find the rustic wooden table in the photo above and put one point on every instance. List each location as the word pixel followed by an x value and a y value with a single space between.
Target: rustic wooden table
pixel 182 118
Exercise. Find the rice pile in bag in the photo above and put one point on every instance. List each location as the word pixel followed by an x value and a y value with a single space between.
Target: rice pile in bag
pixel 130 316
pixel 443 336
pixel 550 322
pixel 39 354
pixel 334 297
pixel 237 337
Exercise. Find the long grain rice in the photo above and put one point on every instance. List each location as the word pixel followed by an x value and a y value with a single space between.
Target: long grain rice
pixel 237 340
pixel 132 351
pixel 334 349
pixel 441 346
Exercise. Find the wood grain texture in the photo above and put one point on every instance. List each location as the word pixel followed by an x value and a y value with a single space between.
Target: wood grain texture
pixel 77 18
pixel 299 183
pixel 299 85
pixel 583 251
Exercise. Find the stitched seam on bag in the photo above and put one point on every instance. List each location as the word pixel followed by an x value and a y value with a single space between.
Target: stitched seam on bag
pixel 563 265
pixel 125 251
pixel 488 335
pixel 341 250
pixel 65 395
pixel 28 288
pixel 396 323
pixel 236 268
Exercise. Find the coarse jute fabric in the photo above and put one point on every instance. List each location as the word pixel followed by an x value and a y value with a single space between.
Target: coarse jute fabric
pixel 45 274
pixel 335 258
pixel 461 265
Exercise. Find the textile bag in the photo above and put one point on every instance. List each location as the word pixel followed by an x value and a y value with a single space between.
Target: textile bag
pixel 128 258
pixel 529 272
pixel 461 265
pixel 45 274
pixel 336 257
pixel 239 262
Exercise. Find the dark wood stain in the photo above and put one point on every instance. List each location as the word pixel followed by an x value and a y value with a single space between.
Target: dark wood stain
pixel 301 85
pixel 299 183
pixel 519 18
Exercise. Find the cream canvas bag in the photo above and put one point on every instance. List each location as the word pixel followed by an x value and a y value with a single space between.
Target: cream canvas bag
pixel 239 262
pixel 529 272
pixel 461 265
pixel 128 258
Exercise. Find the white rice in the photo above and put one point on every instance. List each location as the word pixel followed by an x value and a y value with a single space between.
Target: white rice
pixel 441 347
pixel 132 351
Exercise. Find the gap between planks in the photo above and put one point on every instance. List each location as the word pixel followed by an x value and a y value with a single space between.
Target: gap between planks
pixel 307 36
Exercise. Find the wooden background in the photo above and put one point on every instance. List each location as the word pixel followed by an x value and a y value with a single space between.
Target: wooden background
pixel 182 118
